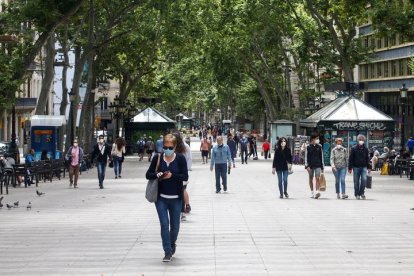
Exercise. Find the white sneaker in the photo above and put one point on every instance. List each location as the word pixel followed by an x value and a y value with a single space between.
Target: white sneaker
pixel 363 197
pixel 357 197
pixel 338 196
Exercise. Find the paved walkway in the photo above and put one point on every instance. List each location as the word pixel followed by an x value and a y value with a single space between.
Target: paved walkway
pixel 248 231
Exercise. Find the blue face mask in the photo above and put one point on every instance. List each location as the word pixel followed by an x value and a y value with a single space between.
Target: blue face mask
pixel 168 152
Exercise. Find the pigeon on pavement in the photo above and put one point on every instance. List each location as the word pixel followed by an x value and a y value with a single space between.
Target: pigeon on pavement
pixel 9 206
pixel 39 193
pixel 29 206
pixel 16 204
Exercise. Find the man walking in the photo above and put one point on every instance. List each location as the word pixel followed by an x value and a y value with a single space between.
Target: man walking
pixel 74 156
pixel 314 164
pixel 359 163
pixel 232 146
pixel 102 152
pixel 204 148
pixel 220 160
pixel 243 149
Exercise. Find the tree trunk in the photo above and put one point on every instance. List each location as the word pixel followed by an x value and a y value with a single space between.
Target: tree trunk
pixel 64 101
pixel 48 77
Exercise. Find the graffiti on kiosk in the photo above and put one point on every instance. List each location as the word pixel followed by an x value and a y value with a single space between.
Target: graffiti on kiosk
pixel 359 126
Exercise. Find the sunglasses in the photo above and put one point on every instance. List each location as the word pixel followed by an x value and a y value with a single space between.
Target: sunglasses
pixel 168 148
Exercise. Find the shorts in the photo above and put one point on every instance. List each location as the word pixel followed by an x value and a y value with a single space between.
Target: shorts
pixel 204 153
pixel 315 172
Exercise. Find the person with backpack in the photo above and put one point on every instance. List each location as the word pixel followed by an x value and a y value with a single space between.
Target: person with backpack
pixel 141 148
pixel 244 142
pixel 74 157
pixel 220 160
pixel 150 147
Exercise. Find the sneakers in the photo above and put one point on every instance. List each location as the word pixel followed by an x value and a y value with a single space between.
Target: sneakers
pixel 173 247
pixel 363 197
pixel 167 258
pixel 357 197
pixel 234 165
pixel 116 177
pixel 317 195
pixel 344 196
pixel 286 195
pixel 217 192
pixel 70 185
pixel 119 176
pixel 281 196
pixel 338 196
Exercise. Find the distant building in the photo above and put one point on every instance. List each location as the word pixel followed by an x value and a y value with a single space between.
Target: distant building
pixel 385 73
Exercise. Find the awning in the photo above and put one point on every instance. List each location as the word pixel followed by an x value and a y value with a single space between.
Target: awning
pixel 346 109
pixel 46 120
pixel 151 115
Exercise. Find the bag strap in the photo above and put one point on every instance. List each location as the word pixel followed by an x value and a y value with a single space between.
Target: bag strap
pixel 158 163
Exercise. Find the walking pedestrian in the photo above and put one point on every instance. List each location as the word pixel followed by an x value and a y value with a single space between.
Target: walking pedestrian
pixel 150 147
pixel 184 149
pixel 210 146
pixel 74 157
pixel 29 159
pixel 117 154
pixel 232 146
pixel 266 148
pixel 172 172
pixel 282 164
pixel 220 160
pixel 314 164
pixel 339 163
pixel 359 164
pixel 102 152
pixel 237 140
pixel 204 148
pixel 141 148
pixel 410 146
pixel 243 149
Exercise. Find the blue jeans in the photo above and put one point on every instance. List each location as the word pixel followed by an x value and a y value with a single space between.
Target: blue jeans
pixel 221 171
pixel 117 165
pixel 101 166
pixel 169 214
pixel 360 180
pixel 244 156
pixel 340 174
pixel 283 181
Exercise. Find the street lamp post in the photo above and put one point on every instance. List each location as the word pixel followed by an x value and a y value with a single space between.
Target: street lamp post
pixel 403 98
pixel 117 109
pixel 72 98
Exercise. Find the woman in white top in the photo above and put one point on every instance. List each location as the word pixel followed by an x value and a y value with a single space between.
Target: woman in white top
pixel 117 153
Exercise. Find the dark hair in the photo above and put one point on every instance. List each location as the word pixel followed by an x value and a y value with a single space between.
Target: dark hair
pixel 120 142
pixel 44 155
pixel 101 136
pixel 314 136
pixel 180 148
pixel 279 142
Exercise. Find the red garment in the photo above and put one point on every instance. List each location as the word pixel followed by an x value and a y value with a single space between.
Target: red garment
pixel 266 146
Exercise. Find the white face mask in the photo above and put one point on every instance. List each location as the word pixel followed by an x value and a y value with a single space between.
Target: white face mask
pixel 317 141
pixel 338 146
pixel 361 142
pixel 75 144
pixel 283 144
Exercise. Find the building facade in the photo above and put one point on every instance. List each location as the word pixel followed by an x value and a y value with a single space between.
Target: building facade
pixel 383 76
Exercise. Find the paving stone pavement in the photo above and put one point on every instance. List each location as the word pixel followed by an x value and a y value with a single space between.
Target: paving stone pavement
pixel 248 231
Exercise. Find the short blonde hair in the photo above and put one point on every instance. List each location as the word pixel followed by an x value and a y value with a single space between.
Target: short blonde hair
pixel 170 137
pixel 339 139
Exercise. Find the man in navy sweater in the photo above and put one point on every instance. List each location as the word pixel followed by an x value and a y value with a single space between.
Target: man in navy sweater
pixel 359 163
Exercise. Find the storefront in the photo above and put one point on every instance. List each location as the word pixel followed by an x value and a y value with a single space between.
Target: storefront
pixel 347 117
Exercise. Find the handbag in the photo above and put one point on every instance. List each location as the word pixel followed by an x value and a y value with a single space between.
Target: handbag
pixel 290 171
pixel 322 183
pixel 111 164
pixel 151 192
pixel 369 181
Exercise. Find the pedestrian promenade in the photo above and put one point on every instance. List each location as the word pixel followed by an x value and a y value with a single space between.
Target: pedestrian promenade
pixel 247 231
